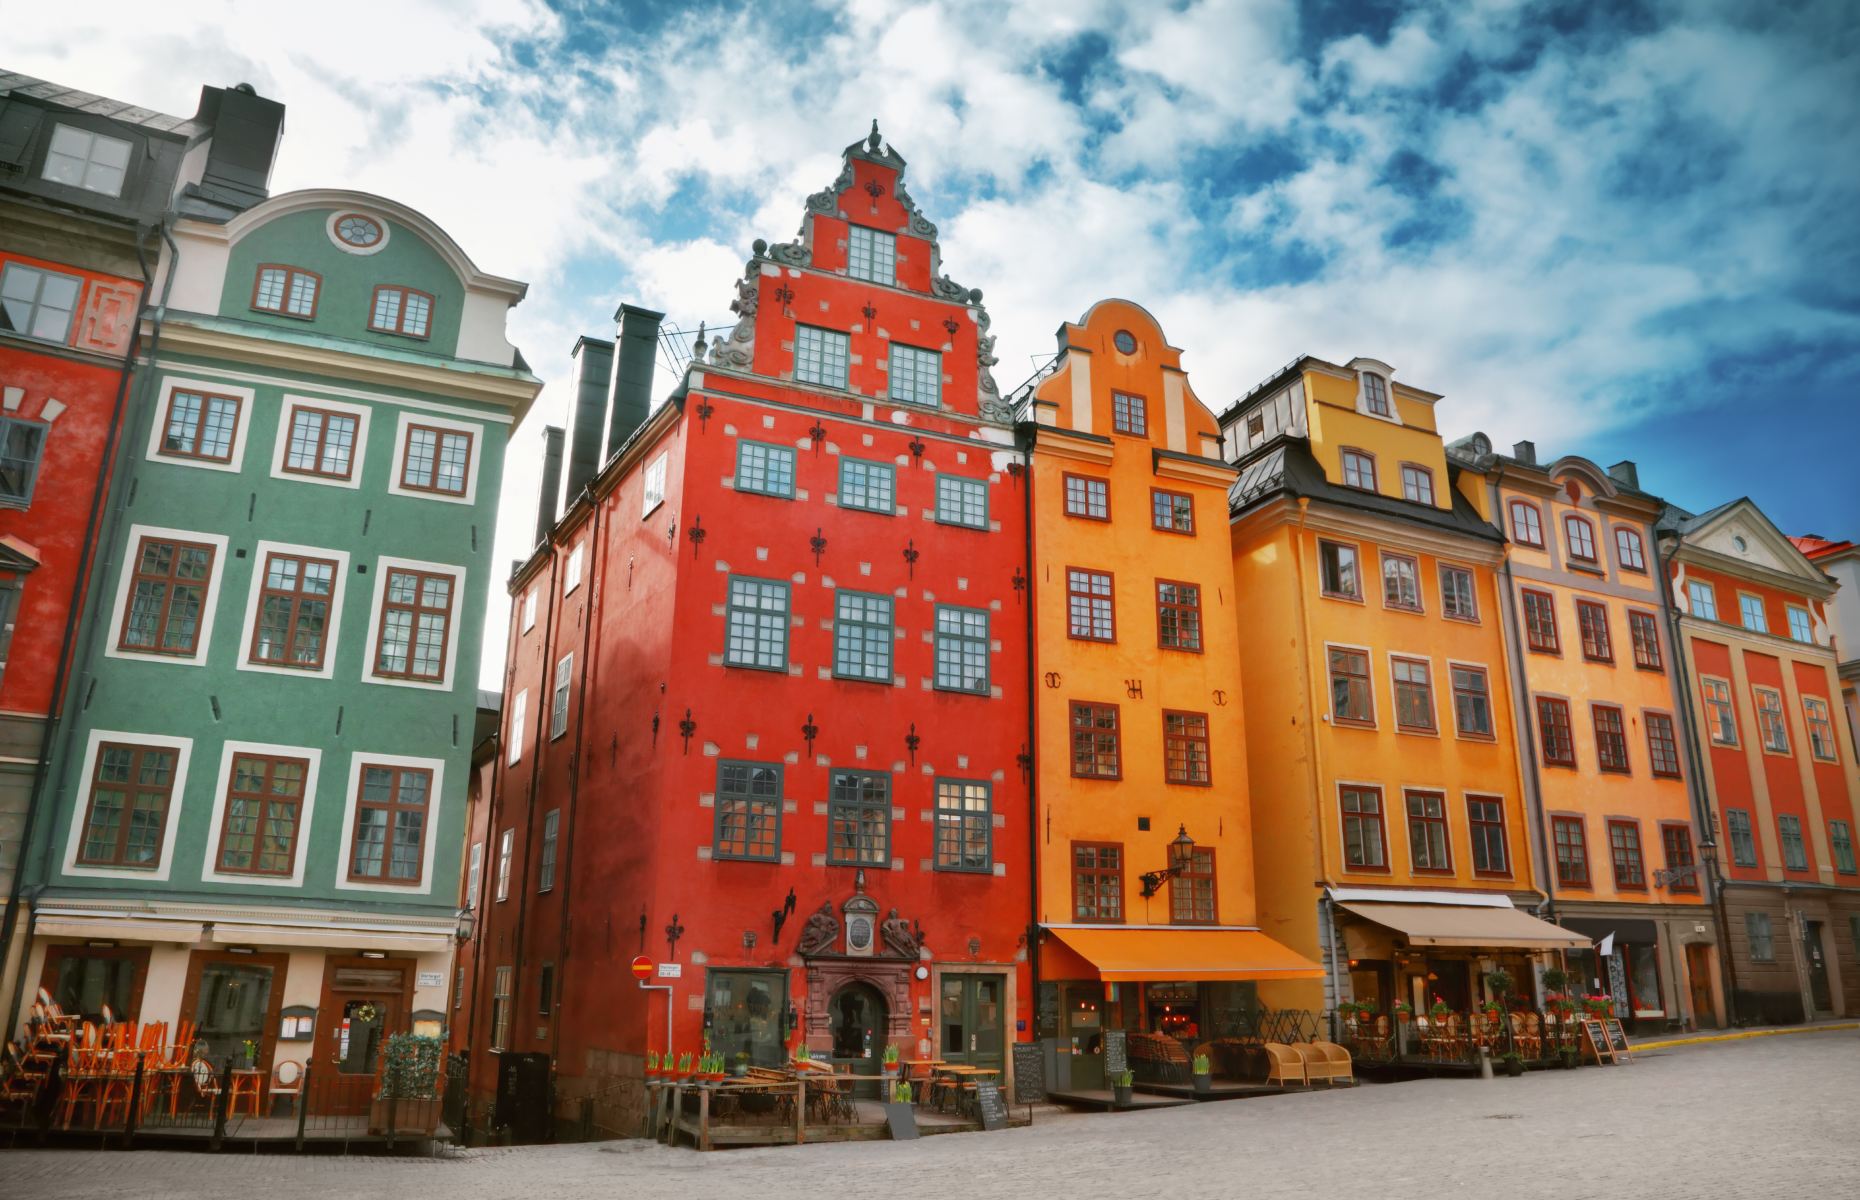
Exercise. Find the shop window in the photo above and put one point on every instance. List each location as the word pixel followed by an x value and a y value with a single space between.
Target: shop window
pixel 764 469
pixel 1185 748
pixel 232 1006
pixel 1172 512
pixel 746 1014
pixel 1365 840
pixel 1098 882
pixel 1555 733
pixel 859 819
pixel 1572 851
pixel 85 980
pixel 1178 615
pixel 964 826
pixel 1350 699
pixel 1088 498
pixel 264 803
pixel 757 624
pixel 862 636
pixel 748 811
pixel 1337 571
pixel 1624 852
pixel 1095 750
pixel 961 649
pixel 1090 612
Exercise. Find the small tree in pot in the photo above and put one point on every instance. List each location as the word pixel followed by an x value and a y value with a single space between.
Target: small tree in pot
pixel 408 1100
pixel 891 1065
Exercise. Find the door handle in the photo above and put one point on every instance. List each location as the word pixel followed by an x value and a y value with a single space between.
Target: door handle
pixel 971 1043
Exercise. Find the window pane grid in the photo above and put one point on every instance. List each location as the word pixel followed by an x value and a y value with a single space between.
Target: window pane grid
pixel 1624 851
pixel 1427 831
pixel 293 611
pixel 200 425
pixel 1472 702
pixel 86 159
pixel 1097 882
pixel 1487 820
pixel 167 595
pixel 1414 694
pixel 1178 615
pixel 862 636
pixel 1089 498
pixel 748 811
pixel 1095 750
pixel 1172 512
pixel 321 443
pixel 867 485
pixel 1089 605
pixel 859 819
pixel 916 376
pixel 765 469
pixel 964 823
pixel 390 824
pixel 131 787
pixel 1611 739
pixel 758 624
pixel 1185 748
pixel 962 501
pixel 820 356
pixel 259 827
pixel 1401 583
pixel 1349 686
pixel 38 304
pixel 961 649
pixel 871 254
pixel 1572 853
pixel 1364 845
pixel 1130 414
pixel 1191 893
pixel 1456 594
pixel 416 620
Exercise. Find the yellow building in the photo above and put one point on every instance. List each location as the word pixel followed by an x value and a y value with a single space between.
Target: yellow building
pixel 1145 844
pixel 1389 813
pixel 1605 750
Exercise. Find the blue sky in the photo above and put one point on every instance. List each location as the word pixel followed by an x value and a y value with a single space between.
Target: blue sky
pixel 1622 230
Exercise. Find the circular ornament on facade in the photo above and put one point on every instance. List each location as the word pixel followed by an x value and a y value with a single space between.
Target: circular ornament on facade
pixel 859 934
pixel 1740 543
pixel 923 972
pixel 357 233
pixel 1125 341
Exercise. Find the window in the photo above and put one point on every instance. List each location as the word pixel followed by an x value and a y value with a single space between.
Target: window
pixel 765 469
pixel 353 229
pixel 1178 615
pixel 748 811
pixel 293 611
pixel 1676 841
pixel 500 1009
pixel 437 460
pixel 1554 732
pixel 1581 538
pixel 757 632
pixel 167 596
pixel 1088 498
pixel 1472 701
pixel 1172 512
pixel 1572 852
pixel 1703 600
pixel 1628 550
pixel 1841 842
pixel 200 425
pixel 1720 713
pixel 504 844
pixel 518 716
pixel 21 444
pixel 571 570
pixel 1820 728
pixel 964 826
pixel 867 485
pixel 859 819
pixel 1401 583
pixel 286 291
pixel 1185 748
pixel 416 625
pixel 10 590
pixel 1645 631
pixel 1255 429
pixel 545 863
pixel 1376 395
pixel 1662 745
pixel 1130 414
pixel 1095 753
pixel 529 610
pixel 1610 738
pixel 1359 470
pixel 916 375
pixel 1743 837
pixel 1350 699
pixel 1799 627
pixel 1592 620
pixel 1098 882
pixel 1624 851
pixel 1770 723
pixel 558 697
pixel 1757 930
pixel 38 304
pixel 1427 832
pixel 1794 851
pixel 1414 694
pixel 871 254
pixel 390 824
pixel 1750 612
pixel 652 487
pixel 862 636
pixel 962 649
pixel 820 356
pixel 83 159
pixel 321 443
pixel 1526 525
pixel 1191 892
pixel 1365 845
pixel 401 310
pixel 1457 599
pixel 130 789
pixel 1540 622
pixel 474 875
pixel 1089 606
pixel 1417 484
pixel 1337 574
pixel 1485 815
pixel 961 501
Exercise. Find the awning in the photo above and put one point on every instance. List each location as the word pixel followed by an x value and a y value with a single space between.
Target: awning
pixel 1462 925
pixel 1168 955
pixel 121 927
pixel 331 938
pixel 1636 931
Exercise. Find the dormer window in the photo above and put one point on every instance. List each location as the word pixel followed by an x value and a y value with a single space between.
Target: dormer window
pixel 286 291
pixel 1376 395
pixel 401 310
pixel 82 159
pixel 1130 414
pixel 872 255
pixel 820 356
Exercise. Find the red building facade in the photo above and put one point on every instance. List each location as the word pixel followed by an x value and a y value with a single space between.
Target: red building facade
pixel 766 717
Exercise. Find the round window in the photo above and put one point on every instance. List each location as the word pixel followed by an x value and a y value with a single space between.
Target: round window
pixel 1740 543
pixel 1125 341
pixel 357 230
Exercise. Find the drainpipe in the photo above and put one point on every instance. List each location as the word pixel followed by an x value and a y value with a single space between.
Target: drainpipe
pixel 1527 727
pixel 1317 712
pixel 87 579
pixel 1033 749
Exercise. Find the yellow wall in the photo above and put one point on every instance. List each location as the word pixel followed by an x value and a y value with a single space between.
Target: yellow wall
pixel 1335 423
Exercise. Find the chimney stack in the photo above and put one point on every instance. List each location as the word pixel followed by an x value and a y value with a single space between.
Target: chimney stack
pixel 1525 452
pixel 629 401
pixel 246 131
pixel 594 361
pixel 1626 472
pixel 551 483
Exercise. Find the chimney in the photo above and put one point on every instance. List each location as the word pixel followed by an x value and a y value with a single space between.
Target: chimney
pixel 629 402
pixel 594 360
pixel 246 131
pixel 1525 452
pixel 1626 472
pixel 551 481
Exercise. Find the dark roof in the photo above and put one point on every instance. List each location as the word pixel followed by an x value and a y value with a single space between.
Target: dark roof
pixel 57 94
pixel 1269 383
pixel 1674 519
pixel 1285 466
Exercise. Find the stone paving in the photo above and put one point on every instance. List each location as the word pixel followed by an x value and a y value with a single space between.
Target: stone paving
pixel 1767 1117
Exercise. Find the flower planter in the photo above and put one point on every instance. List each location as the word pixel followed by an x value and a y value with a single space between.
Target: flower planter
pixel 1120 1095
pixel 408 1117
pixel 1204 1085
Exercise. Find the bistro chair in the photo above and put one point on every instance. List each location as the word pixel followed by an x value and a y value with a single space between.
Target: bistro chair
pixel 1284 1065
pixel 82 1085
pixel 206 1082
pixel 1327 1061
pixel 287 1079
pixel 118 1079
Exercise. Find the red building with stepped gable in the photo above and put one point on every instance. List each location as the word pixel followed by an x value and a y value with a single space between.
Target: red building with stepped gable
pixel 765 718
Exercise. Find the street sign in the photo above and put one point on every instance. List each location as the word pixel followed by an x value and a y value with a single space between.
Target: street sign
pixel 642 967
pixel 671 970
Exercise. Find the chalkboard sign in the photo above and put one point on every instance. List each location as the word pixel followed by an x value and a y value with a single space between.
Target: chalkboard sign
pixel 1595 1035
pixel 1617 1039
pixel 901 1120
pixel 1029 1073
pixel 1116 1053
pixel 993 1108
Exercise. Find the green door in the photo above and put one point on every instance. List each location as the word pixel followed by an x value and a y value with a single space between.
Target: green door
pixel 972 1020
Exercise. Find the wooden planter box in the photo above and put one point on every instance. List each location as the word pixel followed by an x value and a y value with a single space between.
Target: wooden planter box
pixel 410 1118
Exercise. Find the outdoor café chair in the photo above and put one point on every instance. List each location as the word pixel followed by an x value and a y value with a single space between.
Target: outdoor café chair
pixel 287 1079
pixel 1284 1065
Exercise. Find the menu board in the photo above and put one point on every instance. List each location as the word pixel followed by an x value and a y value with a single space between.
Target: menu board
pixel 1595 1034
pixel 990 1103
pixel 901 1120
pixel 1029 1073
pixel 1116 1054
pixel 1617 1039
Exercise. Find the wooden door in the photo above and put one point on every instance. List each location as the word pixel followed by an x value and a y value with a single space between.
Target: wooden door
pixel 1698 977
pixel 1817 967
pixel 364 1000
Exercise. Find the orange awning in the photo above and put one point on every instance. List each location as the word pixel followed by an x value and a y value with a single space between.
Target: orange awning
pixel 1164 955
pixel 1464 925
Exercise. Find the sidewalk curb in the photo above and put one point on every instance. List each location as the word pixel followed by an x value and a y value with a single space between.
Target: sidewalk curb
pixel 1740 1036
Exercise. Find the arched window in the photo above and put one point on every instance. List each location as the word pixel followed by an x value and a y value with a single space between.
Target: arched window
pixel 1580 535
pixel 1526 526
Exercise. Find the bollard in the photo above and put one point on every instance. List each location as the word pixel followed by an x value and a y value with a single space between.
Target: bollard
pixel 1485 1062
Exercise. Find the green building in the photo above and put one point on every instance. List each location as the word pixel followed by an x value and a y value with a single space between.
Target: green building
pixel 256 807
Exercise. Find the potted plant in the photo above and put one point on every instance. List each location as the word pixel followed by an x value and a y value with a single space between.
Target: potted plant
pixel 742 1064
pixel 1122 1085
pixel 1514 1063
pixel 1555 979
pixel 1204 1081
pixel 652 1065
pixel 1438 1010
pixel 250 1050
pixel 684 1066
pixel 891 1063
pixel 1403 1010
pixel 408 1099
pixel 802 1054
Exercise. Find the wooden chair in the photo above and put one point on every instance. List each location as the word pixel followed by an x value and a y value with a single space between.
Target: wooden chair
pixel 287 1079
pixel 206 1081
pixel 1328 1061
pixel 1284 1065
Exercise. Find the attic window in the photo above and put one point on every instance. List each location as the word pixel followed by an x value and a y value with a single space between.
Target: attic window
pixel 1376 395
pixel 87 160
pixel 353 229
pixel 872 255
pixel 401 310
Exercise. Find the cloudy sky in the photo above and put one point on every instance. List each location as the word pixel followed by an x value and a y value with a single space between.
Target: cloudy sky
pixel 1622 230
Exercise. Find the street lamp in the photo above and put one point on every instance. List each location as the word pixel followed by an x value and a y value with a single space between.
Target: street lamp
pixel 467 925
pixel 1181 854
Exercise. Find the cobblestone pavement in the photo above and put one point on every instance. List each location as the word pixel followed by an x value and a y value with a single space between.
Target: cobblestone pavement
pixel 1769 1117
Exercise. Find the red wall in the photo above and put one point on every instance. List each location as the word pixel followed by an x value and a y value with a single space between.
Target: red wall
pixel 1729 769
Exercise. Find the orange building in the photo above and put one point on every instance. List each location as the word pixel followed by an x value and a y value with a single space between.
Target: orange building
pixel 1390 815
pixel 1143 835
pixel 1604 750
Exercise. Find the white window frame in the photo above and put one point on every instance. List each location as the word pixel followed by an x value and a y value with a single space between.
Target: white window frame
pixel 558 696
pixel 169 386
pixel 1744 600
pixel 529 610
pixel 546 850
pixel 571 568
pixel 80 807
pixel 874 239
pixel 1393 415
pixel 282 451
pixel 505 842
pixel 261 554
pixel 1808 624
pixel 434 819
pixel 474 875
pixel 210 865
pixel 474 460
pixel 125 580
pixel 652 486
pixel 92 139
pixel 1697 590
pixel 829 337
pixel 454 623
pixel 519 714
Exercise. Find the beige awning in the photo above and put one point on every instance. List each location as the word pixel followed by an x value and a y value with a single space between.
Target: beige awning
pixel 330 938
pixel 121 926
pixel 1463 925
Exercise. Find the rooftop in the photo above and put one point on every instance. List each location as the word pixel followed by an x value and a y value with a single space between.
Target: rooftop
pixel 57 95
